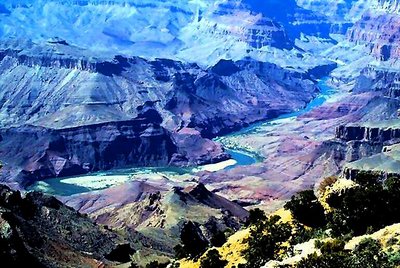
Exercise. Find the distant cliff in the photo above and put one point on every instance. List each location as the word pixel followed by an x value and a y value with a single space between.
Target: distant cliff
pixel 368 134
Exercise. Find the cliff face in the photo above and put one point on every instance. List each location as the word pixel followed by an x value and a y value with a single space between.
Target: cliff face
pixel 364 147
pixel 44 153
pixel 375 30
pixel 342 11
pixel 369 134
pixel 39 231
pixel 372 40
pixel 391 6
pixel 378 34
pixel 382 80
pixel 107 68
pixel 59 80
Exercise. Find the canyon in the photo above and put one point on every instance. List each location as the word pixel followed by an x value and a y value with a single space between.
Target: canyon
pixel 125 117
pixel 114 103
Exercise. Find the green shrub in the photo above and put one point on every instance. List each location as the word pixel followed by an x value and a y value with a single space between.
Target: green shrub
pixel 265 241
pixel 302 234
pixel 333 246
pixel 213 260
pixel 218 239
pixel 193 243
pixel 255 216
pixel 368 254
pixel 394 258
pixel 306 209
pixel 367 208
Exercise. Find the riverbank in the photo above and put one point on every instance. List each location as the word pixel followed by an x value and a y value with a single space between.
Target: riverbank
pixel 236 144
pixel 239 141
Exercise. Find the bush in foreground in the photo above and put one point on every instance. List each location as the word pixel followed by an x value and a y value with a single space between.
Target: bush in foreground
pixel 213 260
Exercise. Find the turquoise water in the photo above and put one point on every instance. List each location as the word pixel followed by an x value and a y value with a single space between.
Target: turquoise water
pixel 68 186
pixel 326 92
pixel 242 158
pixel 103 180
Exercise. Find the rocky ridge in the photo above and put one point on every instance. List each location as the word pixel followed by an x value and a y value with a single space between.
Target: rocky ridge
pixel 40 231
pixel 157 208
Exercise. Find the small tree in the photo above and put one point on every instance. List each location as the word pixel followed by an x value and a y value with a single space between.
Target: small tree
pixel 306 208
pixel 193 242
pixel 255 216
pixel 368 254
pixel 213 260
pixel 218 239
pixel 265 241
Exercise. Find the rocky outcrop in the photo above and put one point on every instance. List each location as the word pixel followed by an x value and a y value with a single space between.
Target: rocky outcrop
pixel 108 68
pixel 39 231
pixel 161 210
pixel 204 196
pixel 369 134
pixel 354 142
pixel 364 147
pixel 383 80
pixel 351 173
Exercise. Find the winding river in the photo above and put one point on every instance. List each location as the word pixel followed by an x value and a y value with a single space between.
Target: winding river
pixel 240 156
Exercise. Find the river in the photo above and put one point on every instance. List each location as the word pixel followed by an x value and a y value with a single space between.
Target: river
pixel 240 156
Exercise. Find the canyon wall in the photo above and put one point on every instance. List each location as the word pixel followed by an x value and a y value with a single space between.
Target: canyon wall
pixel 95 113
pixel 369 134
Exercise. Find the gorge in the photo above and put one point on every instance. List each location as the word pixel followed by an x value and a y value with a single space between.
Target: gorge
pixel 152 118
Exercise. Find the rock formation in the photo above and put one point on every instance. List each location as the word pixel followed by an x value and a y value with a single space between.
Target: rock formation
pixel 94 114
pixel 40 231
pixel 158 210
pixel 369 134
